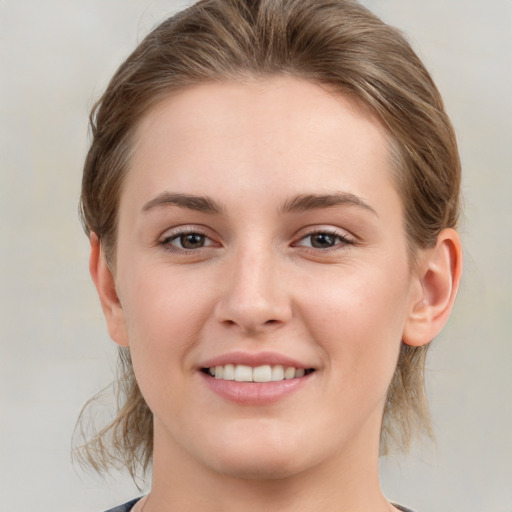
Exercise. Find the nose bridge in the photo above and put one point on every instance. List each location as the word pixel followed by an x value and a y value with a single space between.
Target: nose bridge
pixel 254 296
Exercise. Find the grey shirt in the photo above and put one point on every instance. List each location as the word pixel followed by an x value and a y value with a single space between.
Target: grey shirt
pixel 128 506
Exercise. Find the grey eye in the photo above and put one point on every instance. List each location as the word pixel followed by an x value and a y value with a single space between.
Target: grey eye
pixel 190 240
pixel 323 240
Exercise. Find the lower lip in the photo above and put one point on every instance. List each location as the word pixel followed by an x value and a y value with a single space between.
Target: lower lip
pixel 254 393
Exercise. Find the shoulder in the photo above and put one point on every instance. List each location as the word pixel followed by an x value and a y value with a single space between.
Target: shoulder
pixel 403 509
pixel 128 506
pixel 124 508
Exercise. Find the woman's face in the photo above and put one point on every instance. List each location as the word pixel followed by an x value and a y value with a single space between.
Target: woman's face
pixel 260 230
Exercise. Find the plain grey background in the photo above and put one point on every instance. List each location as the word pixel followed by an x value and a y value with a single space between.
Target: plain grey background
pixel 55 59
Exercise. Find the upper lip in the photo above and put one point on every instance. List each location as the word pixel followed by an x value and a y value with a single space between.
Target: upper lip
pixel 253 359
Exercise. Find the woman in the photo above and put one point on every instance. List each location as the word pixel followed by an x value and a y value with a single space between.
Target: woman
pixel 270 194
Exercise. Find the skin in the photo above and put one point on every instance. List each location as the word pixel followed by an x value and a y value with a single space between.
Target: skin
pixel 261 278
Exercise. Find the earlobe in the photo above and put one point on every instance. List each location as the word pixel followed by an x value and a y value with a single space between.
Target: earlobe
pixel 437 281
pixel 105 286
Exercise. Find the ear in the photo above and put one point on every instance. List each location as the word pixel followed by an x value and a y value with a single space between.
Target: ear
pixel 436 285
pixel 106 288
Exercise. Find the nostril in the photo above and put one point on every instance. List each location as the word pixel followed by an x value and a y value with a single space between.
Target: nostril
pixel 252 313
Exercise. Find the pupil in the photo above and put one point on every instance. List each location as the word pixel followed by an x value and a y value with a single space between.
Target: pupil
pixel 322 240
pixel 192 241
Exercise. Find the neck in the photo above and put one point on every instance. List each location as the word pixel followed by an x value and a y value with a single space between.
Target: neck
pixel 348 481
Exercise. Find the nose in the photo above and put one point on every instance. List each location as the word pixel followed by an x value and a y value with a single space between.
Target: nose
pixel 254 295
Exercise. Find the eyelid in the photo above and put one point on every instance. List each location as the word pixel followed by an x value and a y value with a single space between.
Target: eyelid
pixel 171 234
pixel 183 230
pixel 346 238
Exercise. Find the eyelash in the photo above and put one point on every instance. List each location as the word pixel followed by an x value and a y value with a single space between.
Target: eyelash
pixel 341 240
pixel 167 242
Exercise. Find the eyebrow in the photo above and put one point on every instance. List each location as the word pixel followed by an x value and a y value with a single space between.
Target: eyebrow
pixel 304 203
pixel 191 202
pixel 298 204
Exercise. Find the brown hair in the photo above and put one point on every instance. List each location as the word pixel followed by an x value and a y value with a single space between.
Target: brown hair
pixel 337 43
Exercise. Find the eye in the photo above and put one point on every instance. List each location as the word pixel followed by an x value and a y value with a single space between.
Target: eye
pixel 186 241
pixel 190 241
pixel 324 240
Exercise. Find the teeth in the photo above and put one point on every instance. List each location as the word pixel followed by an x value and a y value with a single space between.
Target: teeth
pixel 289 373
pixel 229 372
pixel 264 373
pixel 277 372
pixel 242 373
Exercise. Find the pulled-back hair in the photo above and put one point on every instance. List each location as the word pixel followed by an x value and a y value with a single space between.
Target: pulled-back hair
pixel 337 43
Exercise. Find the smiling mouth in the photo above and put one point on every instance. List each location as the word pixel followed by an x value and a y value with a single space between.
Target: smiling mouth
pixel 263 373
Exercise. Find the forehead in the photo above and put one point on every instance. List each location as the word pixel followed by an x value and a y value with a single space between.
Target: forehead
pixel 282 132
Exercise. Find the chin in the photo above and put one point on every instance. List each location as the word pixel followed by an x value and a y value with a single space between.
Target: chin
pixel 263 455
pixel 269 467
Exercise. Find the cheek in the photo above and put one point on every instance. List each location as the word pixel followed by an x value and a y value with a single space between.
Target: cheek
pixel 159 303
pixel 164 314
pixel 358 318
